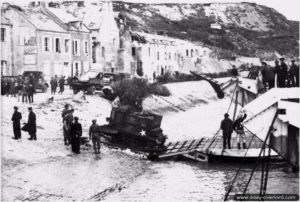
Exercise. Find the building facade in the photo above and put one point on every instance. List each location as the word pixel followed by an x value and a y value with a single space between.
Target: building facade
pixel 38 42
pixel 79 44
pixel 6 47
pixel 157 54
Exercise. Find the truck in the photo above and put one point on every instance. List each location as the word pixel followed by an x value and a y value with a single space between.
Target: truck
pixel 93 80
pixel 39 80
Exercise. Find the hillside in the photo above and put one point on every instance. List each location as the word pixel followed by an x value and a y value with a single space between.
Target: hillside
pixel 247 29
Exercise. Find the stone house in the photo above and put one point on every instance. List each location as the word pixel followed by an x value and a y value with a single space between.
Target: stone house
pixel 157 54
pixel 38 42
pixel 6 47
pixel 80 44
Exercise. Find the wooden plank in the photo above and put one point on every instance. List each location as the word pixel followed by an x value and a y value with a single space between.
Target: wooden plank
pixel 191 144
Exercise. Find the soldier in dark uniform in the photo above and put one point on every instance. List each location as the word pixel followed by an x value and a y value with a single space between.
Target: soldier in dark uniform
pixel 234 71
pixel 76 133
pixel 17 116
pixel 67 121
pixel 268 75
pixel 30 91
pixel 282 74
pixel 94 134
pixel 293 73
pixel 61 85
pixel 31 124
pixel 226 127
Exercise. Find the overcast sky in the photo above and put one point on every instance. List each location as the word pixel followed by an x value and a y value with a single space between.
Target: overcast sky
pixel 289 8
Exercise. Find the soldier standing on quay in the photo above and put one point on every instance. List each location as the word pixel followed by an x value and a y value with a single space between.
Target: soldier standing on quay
pixel 17 116
pixel 94 134
pixel 61 85
pixel 67 121
pixel 75 134
pixel 31 124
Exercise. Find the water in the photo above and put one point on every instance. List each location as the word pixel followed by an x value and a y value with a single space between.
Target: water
pixel 195 181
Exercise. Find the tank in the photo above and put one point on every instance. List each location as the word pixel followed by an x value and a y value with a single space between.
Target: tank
pixel 138 131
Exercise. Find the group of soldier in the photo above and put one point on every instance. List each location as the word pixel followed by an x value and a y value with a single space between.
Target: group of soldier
pixel 55 82
pixel 19 87
pixel 287 75
pixel 72 131
pixel 29 127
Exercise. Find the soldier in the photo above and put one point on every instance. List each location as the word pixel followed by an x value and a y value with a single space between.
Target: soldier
pixel 65 111
pixel 293 72
pixel 53 84
pixel 67 121
pixel 17 116
pixel 61 85
pixel 277 70
pixel 239 129
pixel 234 71
pixel 268 75
pixel 226 127
pixel 31 124
pixel 19 87
pixel 30 91
pixel 75 134
pixel 282 74
pixel 94 134
pixel 25 90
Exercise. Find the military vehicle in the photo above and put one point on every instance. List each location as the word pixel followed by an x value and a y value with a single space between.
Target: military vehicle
pixel 39 80
pixel 93 80
pixel 137 131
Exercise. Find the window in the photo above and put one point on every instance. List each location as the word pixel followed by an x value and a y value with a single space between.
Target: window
pixel 3 34
pixel 169 56
pixel 46 44
pixel 149 51
pixel 192 53
pixel 133 51
pixel 57 45
pixel 197 52
pixel 67 42
pixel 174 56
pixel 157 55
pixel 3 67
pixel 86 47
pixel 166 55
pixel 187 52
pixel 75 47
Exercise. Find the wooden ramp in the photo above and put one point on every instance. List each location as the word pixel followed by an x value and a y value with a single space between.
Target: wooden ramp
pixel 200 149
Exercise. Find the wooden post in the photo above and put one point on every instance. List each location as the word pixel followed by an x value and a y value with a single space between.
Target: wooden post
pixel 235 106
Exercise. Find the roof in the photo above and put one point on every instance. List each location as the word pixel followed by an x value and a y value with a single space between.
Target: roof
pixel 42 21
pixel 160 39
pixel 68 18
pixel 5 21
pixel 270 98
pixel 292 112
pixel 64 16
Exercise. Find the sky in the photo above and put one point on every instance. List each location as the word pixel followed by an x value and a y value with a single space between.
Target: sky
pixel 289 8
